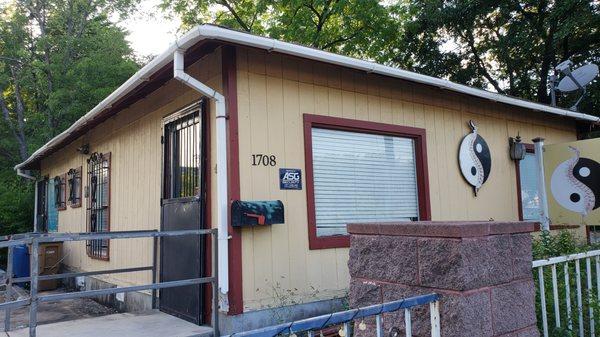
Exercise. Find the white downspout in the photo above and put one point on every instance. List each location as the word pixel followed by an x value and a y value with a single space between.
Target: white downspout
pixel 539 155
pixel 20 173
pixel 222 203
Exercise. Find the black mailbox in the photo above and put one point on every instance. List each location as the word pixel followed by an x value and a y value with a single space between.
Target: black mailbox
pixel 256 213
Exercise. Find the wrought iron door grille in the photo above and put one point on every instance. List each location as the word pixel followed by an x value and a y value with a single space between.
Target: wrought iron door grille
pixel 182 153
pixel 42 207
pixel 98 202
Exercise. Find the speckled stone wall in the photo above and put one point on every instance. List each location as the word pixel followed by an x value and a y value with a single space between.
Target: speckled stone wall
pixel 482 270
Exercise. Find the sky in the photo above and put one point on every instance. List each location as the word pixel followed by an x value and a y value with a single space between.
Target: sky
pixel 150 30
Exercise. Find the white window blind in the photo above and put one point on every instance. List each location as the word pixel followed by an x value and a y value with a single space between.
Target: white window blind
pixel 530 199
pixel 361 177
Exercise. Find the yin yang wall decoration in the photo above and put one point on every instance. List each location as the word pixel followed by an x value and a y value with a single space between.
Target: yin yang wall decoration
pixel 575 184
pixel 474 158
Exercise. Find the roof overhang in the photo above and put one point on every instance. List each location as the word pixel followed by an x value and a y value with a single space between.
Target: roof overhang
pixel 159 70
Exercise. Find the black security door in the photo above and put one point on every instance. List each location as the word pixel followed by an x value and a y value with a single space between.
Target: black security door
pixel 42 206
pixel 183 208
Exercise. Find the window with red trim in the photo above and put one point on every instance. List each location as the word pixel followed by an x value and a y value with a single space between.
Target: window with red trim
pixel 359 172
pixel 527 185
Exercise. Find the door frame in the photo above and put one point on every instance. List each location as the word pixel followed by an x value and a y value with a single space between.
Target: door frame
pixel 41 223
pixel 204 196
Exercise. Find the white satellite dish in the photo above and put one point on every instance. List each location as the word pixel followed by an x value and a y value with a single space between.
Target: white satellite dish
pixel 574 80
pixel 583 75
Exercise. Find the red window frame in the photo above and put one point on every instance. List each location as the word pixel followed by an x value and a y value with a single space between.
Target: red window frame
pixel 343 124
pixel 529 148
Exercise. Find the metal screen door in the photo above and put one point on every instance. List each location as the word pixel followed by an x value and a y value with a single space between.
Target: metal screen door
pixel 183 201
pixel 42 206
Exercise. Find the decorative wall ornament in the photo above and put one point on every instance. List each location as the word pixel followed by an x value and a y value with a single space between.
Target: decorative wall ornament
pixel 474 158
pixel 575 183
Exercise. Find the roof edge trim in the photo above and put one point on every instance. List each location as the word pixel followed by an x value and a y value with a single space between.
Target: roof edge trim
pixel 212 32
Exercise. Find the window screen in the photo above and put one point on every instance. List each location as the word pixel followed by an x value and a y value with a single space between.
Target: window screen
pixel 530 199
pixel 361 177
pixel 98 202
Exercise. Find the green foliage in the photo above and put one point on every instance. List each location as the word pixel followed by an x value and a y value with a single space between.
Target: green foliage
pixel 511 46
pixel 58 59
pixel 353 27
pixel 16 204
pixel 564 243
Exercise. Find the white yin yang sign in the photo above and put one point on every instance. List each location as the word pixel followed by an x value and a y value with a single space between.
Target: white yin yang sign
pixel 575 184
pixel 474 158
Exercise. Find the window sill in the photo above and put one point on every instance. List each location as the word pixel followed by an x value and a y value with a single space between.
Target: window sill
pixel 328 242
pixel 538 227
pixel 100 258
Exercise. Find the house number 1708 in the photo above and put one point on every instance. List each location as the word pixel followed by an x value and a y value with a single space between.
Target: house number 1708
pixel 264 160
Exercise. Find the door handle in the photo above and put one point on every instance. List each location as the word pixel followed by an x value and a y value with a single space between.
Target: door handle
pixel 259 218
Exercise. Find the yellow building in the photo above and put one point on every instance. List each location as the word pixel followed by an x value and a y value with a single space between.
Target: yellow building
pixel 368 142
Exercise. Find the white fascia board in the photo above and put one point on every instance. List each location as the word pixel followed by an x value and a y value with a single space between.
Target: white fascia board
pixel 210 32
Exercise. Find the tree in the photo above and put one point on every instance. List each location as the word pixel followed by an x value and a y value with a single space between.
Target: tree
pixel 50 51
pixel 58 58
pixel 507 46
pixel 352 27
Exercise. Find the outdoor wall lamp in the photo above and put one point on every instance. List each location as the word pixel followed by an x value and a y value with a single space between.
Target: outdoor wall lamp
pixel 84 149
pixel 517 149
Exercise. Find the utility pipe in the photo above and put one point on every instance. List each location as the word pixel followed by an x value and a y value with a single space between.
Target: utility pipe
pixel 539 155
pixel 222 181
pixel 20 173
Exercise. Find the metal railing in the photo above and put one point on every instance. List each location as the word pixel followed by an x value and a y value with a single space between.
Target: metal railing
pixel 556 273
pixel 313 325
pixel 34 298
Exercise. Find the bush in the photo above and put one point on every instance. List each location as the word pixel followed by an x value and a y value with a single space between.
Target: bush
pixel 564 243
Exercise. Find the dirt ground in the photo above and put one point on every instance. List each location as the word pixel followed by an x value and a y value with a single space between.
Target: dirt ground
pixel 50 312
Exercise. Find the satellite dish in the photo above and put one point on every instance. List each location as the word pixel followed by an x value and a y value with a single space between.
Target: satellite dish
pixel 583 75
pixel 574 80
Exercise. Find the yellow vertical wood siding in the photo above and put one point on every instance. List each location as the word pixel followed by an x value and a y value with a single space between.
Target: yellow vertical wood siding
pixel 274 92
pixel 133 138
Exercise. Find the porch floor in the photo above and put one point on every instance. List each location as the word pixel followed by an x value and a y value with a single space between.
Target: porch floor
pixel 148 324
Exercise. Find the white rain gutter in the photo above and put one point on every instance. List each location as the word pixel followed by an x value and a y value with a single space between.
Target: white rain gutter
pixel 222 204
pixel 210 32
pixel 20 173
pixel 272 45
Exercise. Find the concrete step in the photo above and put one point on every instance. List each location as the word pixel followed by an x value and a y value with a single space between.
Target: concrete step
pixel 149 324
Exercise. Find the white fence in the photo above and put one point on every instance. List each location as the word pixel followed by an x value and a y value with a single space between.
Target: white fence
pixel 572 306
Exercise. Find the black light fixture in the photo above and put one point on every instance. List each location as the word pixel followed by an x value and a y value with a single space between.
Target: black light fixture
pixel 517 149
pixel 84 149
